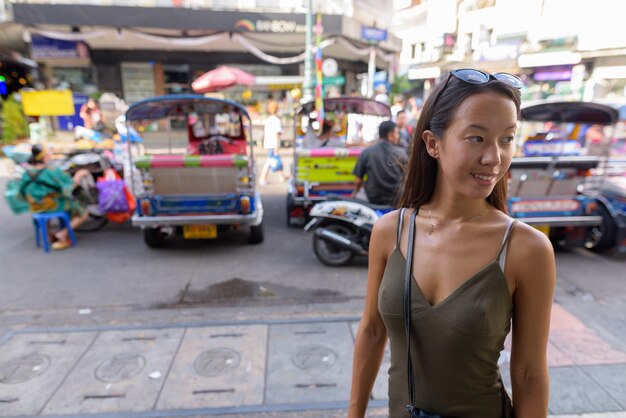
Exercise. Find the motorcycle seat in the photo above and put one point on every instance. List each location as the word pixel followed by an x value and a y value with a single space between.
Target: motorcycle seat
pixel 370 205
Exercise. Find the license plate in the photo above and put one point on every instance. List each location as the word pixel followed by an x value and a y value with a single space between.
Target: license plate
pixel 543 228
pixel 200 231
pixel 550 206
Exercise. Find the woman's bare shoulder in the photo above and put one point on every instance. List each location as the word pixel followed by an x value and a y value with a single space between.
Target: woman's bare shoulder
pixel 530 240
pixel 385 230
pixel 388 223
pixel 530 250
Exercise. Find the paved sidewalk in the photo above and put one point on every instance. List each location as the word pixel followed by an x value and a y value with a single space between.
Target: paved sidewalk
pixel 279 368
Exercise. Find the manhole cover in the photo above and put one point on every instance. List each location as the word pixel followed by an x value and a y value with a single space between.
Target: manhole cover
pixel 216 361
pixel 314 358
pixel 24 368
pixel 121 367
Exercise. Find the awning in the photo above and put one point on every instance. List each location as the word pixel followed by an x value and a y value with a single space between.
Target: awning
pixel 14 56
pixel 167 18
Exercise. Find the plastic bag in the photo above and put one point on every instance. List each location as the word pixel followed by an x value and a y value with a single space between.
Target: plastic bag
pixel 111 193
pixel 16 202
pixel 123 216
pixel 276 163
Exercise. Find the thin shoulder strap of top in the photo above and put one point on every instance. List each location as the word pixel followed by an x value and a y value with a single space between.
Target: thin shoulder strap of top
pixel 399 232
pixel 505 243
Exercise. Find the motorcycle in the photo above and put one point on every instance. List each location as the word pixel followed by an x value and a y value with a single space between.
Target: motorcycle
pixel 342 228
pixel 86 192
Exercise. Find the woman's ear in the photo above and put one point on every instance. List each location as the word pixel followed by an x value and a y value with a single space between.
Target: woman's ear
pixel 432 143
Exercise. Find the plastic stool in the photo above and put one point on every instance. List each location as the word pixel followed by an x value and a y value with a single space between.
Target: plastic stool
pixel 40 221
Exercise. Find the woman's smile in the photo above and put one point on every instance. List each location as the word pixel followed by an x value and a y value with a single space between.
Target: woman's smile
pixel 485 179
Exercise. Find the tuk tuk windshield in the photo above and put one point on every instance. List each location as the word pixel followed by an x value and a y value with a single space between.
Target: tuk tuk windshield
pixel 190 125
pixel 565 129
pixel 348 122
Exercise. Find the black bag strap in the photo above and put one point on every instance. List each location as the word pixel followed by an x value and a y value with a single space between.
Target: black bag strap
pixel 408 269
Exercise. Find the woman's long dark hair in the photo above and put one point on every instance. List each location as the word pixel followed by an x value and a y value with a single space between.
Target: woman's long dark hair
pixel 420 176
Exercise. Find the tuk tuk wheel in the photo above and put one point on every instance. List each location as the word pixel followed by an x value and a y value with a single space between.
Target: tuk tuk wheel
pixel 154 238
pixel 602 238
pixel 256 234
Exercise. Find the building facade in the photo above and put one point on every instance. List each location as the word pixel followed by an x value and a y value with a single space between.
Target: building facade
pixel 570 49
pixel 138 49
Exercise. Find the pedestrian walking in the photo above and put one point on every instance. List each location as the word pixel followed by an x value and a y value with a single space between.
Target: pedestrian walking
pixel 404 129
pixel 450 272
pixel 271 143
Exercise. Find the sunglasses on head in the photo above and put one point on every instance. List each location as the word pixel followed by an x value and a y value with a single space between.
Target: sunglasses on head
pixel 473 76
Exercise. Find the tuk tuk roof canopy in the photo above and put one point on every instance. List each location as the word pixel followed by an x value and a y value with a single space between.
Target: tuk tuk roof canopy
pixel 349 104
pixel 571 112
pixel 175 104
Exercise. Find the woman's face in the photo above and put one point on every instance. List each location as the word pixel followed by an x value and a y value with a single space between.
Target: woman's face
pixel 476 149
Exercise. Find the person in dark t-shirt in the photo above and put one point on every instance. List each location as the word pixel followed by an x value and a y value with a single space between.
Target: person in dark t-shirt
pixel 383 165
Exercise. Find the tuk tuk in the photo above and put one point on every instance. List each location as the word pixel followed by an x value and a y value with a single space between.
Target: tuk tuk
pixel 557 182
pixel 195 176
pixel 324 167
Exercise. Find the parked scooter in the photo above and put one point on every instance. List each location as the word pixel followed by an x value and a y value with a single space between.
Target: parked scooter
pixel 342 228
pixel 86 192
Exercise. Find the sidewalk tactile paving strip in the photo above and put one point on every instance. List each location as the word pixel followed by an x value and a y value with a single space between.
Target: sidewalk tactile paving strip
pixel 218 366
pixel 382 380
pixel 32 366
pixel 114 375
pixel 309 363
pixel 243 368
pixel 573 392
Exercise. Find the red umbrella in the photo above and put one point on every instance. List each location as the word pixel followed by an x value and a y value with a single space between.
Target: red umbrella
pixel 221 78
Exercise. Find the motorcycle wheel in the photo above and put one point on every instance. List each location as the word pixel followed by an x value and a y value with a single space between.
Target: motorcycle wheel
pixel 87 194
pixel 329 254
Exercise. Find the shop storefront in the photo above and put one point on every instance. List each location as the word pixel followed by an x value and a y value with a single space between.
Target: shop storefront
pixel 138 52
pixel 607 80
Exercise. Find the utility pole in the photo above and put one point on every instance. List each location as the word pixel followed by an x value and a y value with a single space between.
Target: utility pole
pixel 371 71
pixel 307 85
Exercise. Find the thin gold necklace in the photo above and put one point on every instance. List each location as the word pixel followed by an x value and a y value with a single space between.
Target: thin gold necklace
pixel 431 225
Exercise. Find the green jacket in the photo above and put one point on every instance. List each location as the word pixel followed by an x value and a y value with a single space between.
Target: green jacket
pixel 47 189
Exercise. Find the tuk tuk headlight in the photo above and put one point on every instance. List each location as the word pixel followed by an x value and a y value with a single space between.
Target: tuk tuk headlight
pixel 244 203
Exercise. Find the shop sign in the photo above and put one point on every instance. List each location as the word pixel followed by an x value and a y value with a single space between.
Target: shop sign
pixel 370 34
pixel 47 48
pixel 334 81
pixel 48 103
pixel 272 26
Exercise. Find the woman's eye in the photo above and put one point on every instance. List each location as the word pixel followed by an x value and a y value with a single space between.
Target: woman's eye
pixel 475 138
pixel 508 139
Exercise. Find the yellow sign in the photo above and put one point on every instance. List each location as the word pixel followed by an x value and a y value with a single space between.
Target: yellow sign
pixel 48 103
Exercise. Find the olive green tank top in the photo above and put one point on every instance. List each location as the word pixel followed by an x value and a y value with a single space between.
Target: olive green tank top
pixel 455 344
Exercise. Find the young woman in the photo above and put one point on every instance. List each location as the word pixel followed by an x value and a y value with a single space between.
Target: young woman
pixel 475 270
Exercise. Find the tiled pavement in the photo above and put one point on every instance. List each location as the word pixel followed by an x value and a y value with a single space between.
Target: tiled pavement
pixel 253 368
